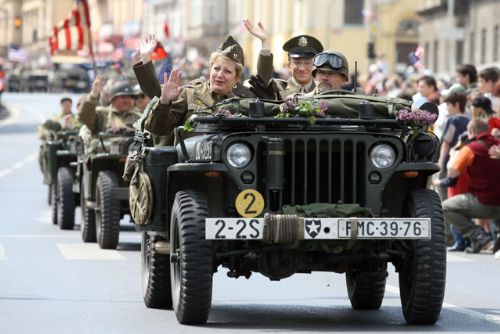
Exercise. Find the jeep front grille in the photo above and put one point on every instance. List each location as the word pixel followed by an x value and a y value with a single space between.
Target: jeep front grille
pixel 326 170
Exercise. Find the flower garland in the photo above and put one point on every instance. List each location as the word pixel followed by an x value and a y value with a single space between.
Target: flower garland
pixel 417 120
pixel 308 108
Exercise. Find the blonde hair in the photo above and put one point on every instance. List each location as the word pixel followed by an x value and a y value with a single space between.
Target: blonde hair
pixel 216 55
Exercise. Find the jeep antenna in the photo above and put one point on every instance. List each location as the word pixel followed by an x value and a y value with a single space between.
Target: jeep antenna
pixel 355 76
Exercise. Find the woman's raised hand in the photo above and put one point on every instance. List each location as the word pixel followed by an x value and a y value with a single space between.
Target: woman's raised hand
pixel 171 87
pixel 147 46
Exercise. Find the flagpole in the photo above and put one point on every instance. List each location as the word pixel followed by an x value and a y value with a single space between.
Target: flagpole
pixel 91 49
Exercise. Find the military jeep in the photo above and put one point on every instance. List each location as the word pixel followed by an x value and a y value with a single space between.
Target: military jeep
pixel 103 193
pixel 345 193
pixel 58 156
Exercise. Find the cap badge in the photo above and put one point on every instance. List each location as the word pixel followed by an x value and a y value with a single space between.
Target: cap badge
pixel 302 41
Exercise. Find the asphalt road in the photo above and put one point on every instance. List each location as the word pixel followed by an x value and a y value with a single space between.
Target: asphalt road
pixel 51 282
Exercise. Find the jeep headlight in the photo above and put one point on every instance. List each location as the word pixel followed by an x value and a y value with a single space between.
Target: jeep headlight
pixel 382 156
pixel 239 155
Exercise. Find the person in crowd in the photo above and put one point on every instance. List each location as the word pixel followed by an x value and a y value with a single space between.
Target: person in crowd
pixel 64 120
pixel 456 124
pixel 466 75
pixel 331 71
pixel 301 50
pixel 481 108
pixel 141 100
pixel 427 91
pixel 483 198
pixel 488 78
pixel 176 102
pixel 120 114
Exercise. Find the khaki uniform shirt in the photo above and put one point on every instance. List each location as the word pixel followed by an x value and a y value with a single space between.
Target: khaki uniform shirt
pixel 164 118
pixel 150 85
pixel 285 87
pixel 98 119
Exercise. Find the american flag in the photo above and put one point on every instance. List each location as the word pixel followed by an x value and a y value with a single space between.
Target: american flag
pixel 17 54
pixel 73 32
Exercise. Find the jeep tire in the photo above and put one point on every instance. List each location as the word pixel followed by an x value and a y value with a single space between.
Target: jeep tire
pixel 422 276
pixel 155 274
pixel 54 201
pixel 107 210
pixel 366 288
pixel 191 257
pixel 65 199
pixel 87 225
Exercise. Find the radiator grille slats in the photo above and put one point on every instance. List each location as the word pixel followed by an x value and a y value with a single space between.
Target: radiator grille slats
pixel 324 169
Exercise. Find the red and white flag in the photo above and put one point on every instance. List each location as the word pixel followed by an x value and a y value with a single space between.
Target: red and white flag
pixel 73 33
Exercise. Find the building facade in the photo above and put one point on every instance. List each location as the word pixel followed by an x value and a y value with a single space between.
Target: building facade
pixel 455 32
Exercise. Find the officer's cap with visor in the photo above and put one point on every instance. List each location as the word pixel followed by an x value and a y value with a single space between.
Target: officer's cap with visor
pixel 331 61
pixel 302 46
pixel 121 88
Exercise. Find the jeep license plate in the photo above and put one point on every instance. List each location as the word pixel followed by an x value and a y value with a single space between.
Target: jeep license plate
pixel 386 228
pixel 234 228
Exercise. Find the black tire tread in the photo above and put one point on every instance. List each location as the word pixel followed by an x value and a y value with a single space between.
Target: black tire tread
pixel 366 289
pixel 87 225
pixel 66 199
pixel 195 297
pixel 423 300
pixel 156 281
pixel 108 231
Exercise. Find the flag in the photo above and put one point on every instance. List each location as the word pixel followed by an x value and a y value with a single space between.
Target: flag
pixel 159 52
pixel 15 53
pixel 72 33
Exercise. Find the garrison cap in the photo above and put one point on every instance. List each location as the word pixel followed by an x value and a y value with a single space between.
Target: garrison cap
pixel 121 88
pixel 232 49
pixel 302 46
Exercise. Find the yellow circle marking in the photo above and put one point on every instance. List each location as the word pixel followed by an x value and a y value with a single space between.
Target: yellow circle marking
pixel 249 203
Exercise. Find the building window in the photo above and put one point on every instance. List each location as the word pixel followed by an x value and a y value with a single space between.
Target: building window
pixel 459 52
pixel 435 56
pixel 496 37
pixel 483 46
pixel 213 12
pixel 353 11
pixel 472 47
pixel 196 11
pixel 35 36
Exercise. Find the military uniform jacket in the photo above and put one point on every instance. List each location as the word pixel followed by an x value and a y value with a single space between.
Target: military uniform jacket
pixel 164 118
pixel 285 87
pixel 45 129
pixel 150 85
pixel 99 119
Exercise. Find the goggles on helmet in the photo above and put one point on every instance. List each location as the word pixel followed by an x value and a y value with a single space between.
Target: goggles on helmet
pixel 333 60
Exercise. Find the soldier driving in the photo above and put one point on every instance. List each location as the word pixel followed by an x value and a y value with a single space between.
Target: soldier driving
pixel 121 114
pixel 331 71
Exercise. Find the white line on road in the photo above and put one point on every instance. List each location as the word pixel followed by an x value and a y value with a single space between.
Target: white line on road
pixel 475 314
pixel 17 165
pixel 88 252
pixel 2 253
pixel 457 258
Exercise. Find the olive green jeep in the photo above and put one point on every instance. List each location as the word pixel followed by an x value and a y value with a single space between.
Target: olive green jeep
pixel 335 182
pixel 103 193
pixel 57 158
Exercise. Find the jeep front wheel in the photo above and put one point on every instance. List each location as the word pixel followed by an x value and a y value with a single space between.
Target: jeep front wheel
pixel 155 274
pixel 107 211
pixel 366 288
pixel 191 258
pixel 422 275
pixel 65 199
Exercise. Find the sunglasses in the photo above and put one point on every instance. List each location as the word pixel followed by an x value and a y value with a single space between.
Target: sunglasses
pixel 333 60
